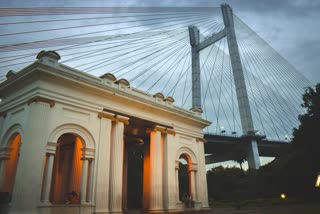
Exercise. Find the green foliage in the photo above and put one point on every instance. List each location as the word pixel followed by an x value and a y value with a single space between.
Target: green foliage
pixel 224 183
pixel 306 136
pixel 293 172
pixel 183 181
pixel 240 155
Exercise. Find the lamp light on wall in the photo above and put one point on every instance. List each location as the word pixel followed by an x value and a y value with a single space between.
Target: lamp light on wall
pixel 222 130
pixel 318 181
pixel 286 138
pixel 283 196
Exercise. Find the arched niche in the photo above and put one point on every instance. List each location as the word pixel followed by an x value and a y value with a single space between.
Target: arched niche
pixel 9 159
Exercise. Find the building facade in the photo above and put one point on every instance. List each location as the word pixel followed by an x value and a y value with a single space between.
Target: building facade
pixel 65 135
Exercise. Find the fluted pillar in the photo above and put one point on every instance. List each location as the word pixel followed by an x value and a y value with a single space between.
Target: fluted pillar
pixel 125 180
pixel 84 181
pixel 103 163
pixel 48 178
pixel 169 174
pixel 116 173
pixel 201 185
pixel 156 171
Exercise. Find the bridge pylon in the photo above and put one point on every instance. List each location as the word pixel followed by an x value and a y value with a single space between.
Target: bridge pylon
pixel 238 76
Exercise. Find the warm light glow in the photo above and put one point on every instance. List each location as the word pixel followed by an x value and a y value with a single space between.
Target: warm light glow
pixel 283 196
pixel 10 166
pixel 318 181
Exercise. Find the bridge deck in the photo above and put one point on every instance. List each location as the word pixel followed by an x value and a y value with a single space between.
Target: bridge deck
pixel 226 147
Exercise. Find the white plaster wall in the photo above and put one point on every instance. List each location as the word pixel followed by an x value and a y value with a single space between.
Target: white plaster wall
pixel 77 104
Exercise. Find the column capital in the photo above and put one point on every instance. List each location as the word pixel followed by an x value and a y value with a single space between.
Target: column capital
pixel 87 154
pixel 122 119
pixel 170 131
pixel 156 129
pixel 192 167
pixel 177 164
pixel 42 100
pixel 3 114
pixel 201 140
pixel 51 148
pixel 5 153
pixel 162 129
pixel 106 115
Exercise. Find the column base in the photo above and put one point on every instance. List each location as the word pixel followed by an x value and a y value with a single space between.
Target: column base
pixel 169 211
pixel 45 203
pixel 205 209
pixel 101 212
pixel 156 211
pixel 118 211
pixel 85 203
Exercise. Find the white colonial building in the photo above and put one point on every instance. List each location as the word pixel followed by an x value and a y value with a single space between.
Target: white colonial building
pixel 64 135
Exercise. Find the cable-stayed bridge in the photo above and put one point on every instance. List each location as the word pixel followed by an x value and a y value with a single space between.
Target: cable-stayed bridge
pixel 150 47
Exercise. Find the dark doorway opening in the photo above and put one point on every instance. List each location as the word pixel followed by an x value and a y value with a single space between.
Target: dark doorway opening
pixel 135 177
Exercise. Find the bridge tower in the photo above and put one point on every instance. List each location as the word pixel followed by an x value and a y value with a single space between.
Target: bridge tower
pixel 238 76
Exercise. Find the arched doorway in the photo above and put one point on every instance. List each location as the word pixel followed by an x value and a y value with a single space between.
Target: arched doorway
pixel 67 170
pixel 184 190
pixel 9 166
pixel 186 169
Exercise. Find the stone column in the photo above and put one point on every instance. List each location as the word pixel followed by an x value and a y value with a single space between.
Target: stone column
pixel 156 171
pixel 103 163
pixel 4 157
pixel 125 180
pixel 146 177
pixel 90 177
pixel 117 148
pixel 177 180
pixel 192 181
pixel 27 190
pixel 47 178
pixel 47 174
pixel 169 172
pixel 84 181
pixel 202 190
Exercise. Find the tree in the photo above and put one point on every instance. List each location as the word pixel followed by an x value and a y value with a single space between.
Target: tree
pixel 295 172
pixel 239 155
pixel 306 142
pixel 306 136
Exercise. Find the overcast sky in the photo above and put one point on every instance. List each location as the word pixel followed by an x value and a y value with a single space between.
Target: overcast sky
pixel 290 26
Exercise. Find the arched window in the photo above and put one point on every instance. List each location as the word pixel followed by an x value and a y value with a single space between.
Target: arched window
pixel 67 170
pixel 9 165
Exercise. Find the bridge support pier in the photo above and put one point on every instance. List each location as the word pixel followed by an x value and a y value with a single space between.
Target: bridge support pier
pixel 253 155
pixel 238 76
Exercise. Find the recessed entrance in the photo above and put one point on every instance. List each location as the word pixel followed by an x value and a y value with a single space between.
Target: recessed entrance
pixel 136 139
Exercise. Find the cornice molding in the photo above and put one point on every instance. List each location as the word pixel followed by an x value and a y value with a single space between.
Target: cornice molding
pixel 41 100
